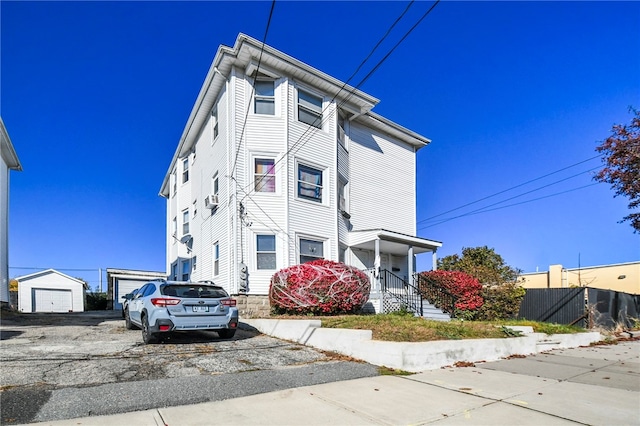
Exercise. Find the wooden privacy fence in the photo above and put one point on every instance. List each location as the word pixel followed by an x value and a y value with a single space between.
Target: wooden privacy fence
pixel 582 306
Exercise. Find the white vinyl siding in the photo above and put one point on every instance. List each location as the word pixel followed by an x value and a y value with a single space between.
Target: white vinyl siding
pixel 382 196
pixel 50 291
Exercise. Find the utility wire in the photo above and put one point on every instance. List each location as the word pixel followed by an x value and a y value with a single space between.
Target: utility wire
pixel 312 129
pixel 529 192
pixel 509 189
pixel 246 116
pixel 504 207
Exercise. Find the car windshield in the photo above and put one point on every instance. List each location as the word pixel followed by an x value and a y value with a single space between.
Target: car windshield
pixel 194 291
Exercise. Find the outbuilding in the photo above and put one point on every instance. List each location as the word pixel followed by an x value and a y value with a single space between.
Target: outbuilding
pixel 123 281
pixel 50 291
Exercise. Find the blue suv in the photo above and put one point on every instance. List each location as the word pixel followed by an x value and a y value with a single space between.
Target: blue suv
pixel 161 306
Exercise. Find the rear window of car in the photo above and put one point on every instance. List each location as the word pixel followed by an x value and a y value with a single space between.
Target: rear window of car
pixel 193 291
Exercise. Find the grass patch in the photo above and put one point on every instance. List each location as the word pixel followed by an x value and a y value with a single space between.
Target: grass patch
pixel 386 371
pixel 546 327
pixel 407 328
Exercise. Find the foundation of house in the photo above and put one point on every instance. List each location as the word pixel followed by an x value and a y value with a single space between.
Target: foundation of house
pixel 253 306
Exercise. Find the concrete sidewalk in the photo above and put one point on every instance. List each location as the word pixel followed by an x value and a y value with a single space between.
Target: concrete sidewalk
pixel 597 385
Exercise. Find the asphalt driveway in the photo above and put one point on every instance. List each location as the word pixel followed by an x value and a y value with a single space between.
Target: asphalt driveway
pixel 60 366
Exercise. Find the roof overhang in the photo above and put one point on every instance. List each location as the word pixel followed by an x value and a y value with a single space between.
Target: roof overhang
pixel 245 55
pixel 6 149
pixel 47 272
pixel 134 274
pixel 391 242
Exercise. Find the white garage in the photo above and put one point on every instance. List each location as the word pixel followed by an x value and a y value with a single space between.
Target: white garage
pixel 50 291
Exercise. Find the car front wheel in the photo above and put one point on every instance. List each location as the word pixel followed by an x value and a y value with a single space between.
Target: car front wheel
pixel 127 321
pixel 147 336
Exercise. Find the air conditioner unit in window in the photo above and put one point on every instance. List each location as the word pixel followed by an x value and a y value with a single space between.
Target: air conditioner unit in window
pixel 211 201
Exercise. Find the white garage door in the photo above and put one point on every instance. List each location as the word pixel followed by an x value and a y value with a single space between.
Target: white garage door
pixel 47 300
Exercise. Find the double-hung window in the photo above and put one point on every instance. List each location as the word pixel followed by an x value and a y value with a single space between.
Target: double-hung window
pixel 174 226
pixel 214 121
pixel 266 251
pixel 185 270
pixel 185 222
pixel 311 250
pixel 216 259
pixel 310 109
pixel 309 183
pixel 174 271
pixel 185 170
pixel 265 100
pixel 265 175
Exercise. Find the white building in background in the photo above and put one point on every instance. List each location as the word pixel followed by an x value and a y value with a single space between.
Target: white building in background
pixel 50 291
pixel 280 164
pixel 9 162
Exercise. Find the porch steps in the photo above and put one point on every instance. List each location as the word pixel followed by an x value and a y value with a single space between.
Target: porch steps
pixel 430 312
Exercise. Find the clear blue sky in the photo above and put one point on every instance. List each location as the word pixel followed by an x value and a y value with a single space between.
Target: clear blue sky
pixel 95 96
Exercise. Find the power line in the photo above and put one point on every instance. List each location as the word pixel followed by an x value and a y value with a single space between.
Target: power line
pixel 246 116
pixel 510 205
pixel 312 129
pixel 509 189
pixel 528 192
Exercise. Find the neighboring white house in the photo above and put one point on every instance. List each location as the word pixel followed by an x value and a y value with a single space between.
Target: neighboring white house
pixel 9 162
pixel 280 164
pixel 123 281
pixel 50 291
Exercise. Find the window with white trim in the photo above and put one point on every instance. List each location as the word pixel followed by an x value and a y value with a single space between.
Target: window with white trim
pixel 311 250
pixel 195 208
pixel 215 184
pixel 342 195
pixel 216 259
pixel 341 133
pixel 174 183
pixel 264 99
pixel 214 122
pixel 309 109
pixel 264 175
pixel 174 226
pixel 266 251
pixel 194 263
pixel 185 222
pixel 309 183
pixel 185 170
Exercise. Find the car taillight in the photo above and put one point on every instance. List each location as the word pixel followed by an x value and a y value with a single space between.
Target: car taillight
pixel 161 301
pixel 228 302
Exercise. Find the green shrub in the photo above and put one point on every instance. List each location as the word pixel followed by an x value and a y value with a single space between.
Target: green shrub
pixel 96 302
pixel 500 302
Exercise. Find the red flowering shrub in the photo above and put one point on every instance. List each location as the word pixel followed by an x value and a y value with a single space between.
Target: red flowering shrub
pixel 466 289
pixel 319 287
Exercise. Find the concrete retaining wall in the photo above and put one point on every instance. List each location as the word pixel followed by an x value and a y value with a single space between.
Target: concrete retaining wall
pixel 415 356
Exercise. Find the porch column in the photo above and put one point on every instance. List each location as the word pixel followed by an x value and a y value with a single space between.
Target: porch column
pixel 410 270
pixel 434 260
pixel 376 261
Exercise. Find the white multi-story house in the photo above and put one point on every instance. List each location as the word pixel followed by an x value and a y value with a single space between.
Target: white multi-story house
pixel 8 161
pixel 280 164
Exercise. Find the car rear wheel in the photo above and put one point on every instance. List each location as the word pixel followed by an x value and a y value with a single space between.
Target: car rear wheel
pixel 127 321
pixel 226 333
pixel 147 336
